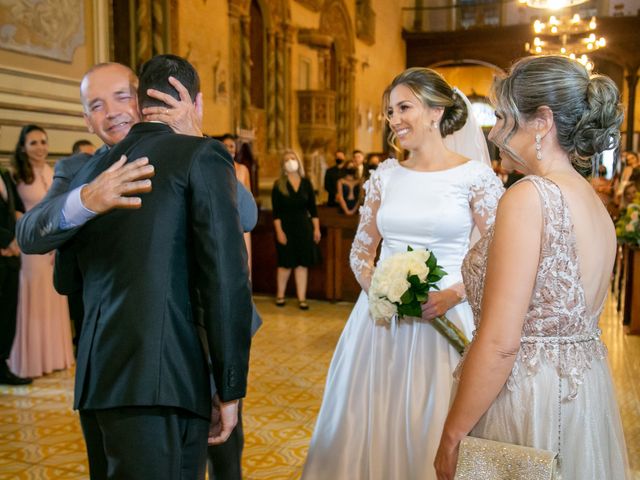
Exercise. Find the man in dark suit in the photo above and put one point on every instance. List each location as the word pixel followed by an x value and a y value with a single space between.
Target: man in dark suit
pixel 331 177
pixel 142 383
pixel 105 94
pixel 9 275
pixel 109 98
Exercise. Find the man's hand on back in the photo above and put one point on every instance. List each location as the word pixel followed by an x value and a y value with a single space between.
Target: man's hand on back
pixel 111 189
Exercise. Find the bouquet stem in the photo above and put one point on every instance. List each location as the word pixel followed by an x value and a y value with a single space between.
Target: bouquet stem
pixel 453 334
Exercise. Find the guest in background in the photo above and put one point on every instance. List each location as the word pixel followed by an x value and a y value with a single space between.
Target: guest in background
pixel 628 196
pixel 371 164
pixel 602 186
pixel 43 338
pixel 297 227
pixel 242 172
pixel 349 189
pixel 83 146
pixel 358 160
pixel 630 163
pixel 245 157
pixel 10 203
pixel 242 175
pixel 331 177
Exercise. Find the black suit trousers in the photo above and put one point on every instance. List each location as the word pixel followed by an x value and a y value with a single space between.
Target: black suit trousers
pixel 9 278
pixel 139 443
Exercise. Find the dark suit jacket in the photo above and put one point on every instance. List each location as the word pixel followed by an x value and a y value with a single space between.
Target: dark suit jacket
pixel 142 271
pixel 8 219
pixel 38 231
pixel 331 177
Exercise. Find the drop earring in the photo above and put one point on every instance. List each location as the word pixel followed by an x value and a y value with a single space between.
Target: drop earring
pixel 538 147
pixel 434 125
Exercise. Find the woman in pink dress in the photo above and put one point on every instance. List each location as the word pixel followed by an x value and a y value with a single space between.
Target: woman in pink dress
pixel 43 336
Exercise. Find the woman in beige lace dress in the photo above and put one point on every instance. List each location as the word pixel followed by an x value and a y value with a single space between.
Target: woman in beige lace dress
pixel 536 373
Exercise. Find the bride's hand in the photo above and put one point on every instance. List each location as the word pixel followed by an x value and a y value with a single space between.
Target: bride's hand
pixel 439 303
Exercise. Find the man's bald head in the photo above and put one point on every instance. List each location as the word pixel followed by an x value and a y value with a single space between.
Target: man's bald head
pixel 109 98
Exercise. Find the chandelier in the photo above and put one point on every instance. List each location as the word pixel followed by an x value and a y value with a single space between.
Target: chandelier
pixel 569 36
pixel 551 4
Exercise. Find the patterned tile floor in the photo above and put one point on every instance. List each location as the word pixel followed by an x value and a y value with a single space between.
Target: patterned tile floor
pixel 40 437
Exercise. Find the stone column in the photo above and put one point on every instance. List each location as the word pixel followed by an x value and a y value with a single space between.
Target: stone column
pixel 632 83
pixel 235 66
pixel 245 72
pixel 350 78
pixel 280 90
pixel 143 34
pixel 271 91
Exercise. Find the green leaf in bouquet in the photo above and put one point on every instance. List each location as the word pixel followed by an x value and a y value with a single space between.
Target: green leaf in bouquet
pixel 422 297
pixel 414 280
pixel 412 309
pixel 407 297
pixel 432 262
pixel 409 249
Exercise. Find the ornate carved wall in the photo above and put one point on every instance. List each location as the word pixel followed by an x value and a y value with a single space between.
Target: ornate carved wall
pixel 269 126
pixel 335 21
pixel 143 28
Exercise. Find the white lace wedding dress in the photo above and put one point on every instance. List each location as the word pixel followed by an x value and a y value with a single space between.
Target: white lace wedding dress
pixel 388 387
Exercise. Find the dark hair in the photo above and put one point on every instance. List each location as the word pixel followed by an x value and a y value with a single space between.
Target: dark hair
pixel 228 136
pixel 80 143
pixel 357 151
pixel 586 108
pixel 155 74
pixel 20 162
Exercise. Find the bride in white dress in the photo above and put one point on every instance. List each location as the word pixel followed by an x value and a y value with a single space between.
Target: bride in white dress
pixel 388 387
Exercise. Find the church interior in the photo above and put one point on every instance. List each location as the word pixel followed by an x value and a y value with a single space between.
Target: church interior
pixel 307 76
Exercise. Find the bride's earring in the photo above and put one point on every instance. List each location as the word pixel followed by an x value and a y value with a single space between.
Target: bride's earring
pixel 434 125
pixel 538 147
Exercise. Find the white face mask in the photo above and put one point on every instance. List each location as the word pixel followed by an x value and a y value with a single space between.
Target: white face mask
pixel 291 166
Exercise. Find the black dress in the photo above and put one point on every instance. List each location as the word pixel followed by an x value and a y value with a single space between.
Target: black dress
pixel 295 211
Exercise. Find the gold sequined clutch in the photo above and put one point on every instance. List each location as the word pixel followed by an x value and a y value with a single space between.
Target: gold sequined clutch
pixel 481 459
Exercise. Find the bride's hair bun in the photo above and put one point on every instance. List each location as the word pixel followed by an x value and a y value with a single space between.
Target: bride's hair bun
pixel 454 116
pixel 433 91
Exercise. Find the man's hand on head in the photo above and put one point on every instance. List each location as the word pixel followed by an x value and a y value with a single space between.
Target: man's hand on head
pixel 183 116
pixel 111 189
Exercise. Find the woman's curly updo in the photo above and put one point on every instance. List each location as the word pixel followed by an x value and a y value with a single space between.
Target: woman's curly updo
pixel 586 108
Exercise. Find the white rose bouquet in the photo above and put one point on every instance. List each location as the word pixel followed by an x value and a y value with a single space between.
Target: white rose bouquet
pixel 401 284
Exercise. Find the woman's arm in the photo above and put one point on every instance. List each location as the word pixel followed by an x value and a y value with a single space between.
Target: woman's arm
pixel 276 205
pixel 510 279
pixel 365 244
pixel 313 210
pixel 340 198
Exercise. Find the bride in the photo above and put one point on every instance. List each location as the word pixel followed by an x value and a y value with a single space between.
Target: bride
pixel 388 386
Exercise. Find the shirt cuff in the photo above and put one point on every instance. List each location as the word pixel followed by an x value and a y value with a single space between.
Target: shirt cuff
pixel 74 213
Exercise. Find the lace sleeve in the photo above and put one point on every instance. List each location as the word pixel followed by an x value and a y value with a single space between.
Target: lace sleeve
pixel 484 194
pixel 365 243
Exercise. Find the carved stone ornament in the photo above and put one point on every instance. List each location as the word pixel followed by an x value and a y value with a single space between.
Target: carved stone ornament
pixel 316 118
pixel 47 28
pixel 365 22
pixel 314 5
pixel 314 38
